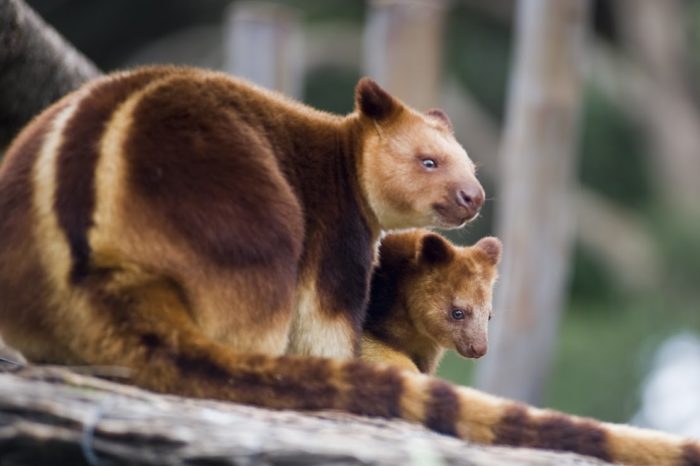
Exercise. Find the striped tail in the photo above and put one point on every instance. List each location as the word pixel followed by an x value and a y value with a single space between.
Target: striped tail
pixel 298 383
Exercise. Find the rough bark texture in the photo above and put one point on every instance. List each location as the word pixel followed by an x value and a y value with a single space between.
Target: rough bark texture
pixel 37 67
pixel 51 415
pixel 535 218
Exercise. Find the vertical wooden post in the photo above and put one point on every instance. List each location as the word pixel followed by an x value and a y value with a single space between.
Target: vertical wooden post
pixel 403 48
pixel 263 43
pixel 535 210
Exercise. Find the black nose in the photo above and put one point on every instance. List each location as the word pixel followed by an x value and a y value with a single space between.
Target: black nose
pixel 471 198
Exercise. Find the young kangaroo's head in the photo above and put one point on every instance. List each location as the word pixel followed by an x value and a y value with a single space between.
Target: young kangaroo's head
pixel 412 169
pixel 449 298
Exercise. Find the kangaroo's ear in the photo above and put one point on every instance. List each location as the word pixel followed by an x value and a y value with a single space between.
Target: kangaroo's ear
pixel 374 102
pixel 491 247
pixel 434 249
pixel 442 116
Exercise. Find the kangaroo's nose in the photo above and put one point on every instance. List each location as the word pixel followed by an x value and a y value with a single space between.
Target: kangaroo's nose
pixel 478 350
pixel 471 198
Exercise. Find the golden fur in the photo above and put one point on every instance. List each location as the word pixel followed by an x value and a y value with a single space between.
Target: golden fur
pixel 421 281
pixel 193 227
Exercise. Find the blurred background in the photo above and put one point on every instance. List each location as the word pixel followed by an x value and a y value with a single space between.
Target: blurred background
pixel 584 119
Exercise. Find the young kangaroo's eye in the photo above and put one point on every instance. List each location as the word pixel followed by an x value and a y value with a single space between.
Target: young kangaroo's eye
pixel 429 164
pixel 458 314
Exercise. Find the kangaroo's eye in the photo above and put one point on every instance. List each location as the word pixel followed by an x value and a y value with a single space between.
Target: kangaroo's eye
pixel 429 164
pixel 457 314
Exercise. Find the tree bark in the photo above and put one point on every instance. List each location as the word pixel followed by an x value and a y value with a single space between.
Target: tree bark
pixel 535 217
pixel 37 67
pixel 51 415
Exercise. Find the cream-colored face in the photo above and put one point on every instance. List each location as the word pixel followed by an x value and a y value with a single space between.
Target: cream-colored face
pixel 450 296
pixel 457 310
pixel 413 171
pixel 416 174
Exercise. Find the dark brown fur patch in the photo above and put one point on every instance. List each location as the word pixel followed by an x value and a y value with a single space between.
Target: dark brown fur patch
pixel 691 454
pixel 553 432
pixel 514 427
pixel 384 291
pixel 559 432
pixel 210 177
pixel 442 408
pixel 75 192
pixel 345 266
pixel 303 383
pixel 374 392
pixel 436 250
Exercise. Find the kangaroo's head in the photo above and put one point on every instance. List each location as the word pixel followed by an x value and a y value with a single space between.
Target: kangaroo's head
pixel 449 293
pixel 413 171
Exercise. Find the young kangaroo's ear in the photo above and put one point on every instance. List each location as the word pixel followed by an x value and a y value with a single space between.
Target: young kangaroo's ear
pixel 373 101
pixel 491 247
pixel 434 249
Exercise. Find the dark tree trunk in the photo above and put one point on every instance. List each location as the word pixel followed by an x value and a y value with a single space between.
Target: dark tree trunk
pixel 37 67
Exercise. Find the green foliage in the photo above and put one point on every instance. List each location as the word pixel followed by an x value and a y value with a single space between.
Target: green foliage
pixel 457 369
pixel 603 354
pixel 478 53
pixel 321 89
pixel 325 10
pixel 591 283
pixel 679 244
pixel 612 156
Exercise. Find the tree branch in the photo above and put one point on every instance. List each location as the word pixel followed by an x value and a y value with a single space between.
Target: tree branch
pixel 38 67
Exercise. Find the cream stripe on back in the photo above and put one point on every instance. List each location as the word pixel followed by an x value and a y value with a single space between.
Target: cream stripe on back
pixel 110 184
pixel 53 244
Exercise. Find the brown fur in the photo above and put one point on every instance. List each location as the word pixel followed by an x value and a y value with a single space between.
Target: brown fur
pixel 421 279
pixel 230 225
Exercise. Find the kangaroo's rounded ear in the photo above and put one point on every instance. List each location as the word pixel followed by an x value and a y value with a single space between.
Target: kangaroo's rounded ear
pixel 434 249
pixel 442 116
pixel 491 247
pixel 373 101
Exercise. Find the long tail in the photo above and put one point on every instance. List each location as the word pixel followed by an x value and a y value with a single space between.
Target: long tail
pixel 203 370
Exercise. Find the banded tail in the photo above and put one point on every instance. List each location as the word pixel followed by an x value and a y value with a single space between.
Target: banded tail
pixel 201 369
pixel 97 267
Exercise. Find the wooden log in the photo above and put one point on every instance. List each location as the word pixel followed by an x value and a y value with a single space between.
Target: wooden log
pixel 50 415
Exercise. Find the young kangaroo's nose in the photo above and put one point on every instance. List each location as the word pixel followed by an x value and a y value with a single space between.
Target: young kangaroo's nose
pixel 478 350
pixel 471 198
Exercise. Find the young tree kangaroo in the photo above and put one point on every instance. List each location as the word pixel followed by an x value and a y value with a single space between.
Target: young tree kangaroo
pixel 194 228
